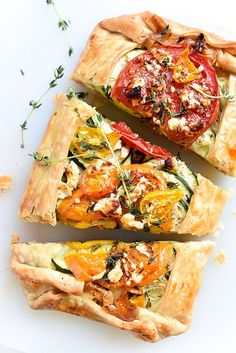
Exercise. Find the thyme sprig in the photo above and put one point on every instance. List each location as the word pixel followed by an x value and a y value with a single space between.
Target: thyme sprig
pixel 46 161
pixel 62 24
pixel 225 93
pixel 71 93
pixel 97 122
pixel 35 104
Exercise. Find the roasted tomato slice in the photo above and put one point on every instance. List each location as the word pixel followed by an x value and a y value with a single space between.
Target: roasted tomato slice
pixel 157 84
pixel 75 208
pixel 99 179
pixel 140 264
pixel 136 142
pixel 154 179
pixel 85 265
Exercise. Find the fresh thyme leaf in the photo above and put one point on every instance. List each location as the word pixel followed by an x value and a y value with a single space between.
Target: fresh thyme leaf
pixel 165 107
pixel 99 117
pixel 71 93
pixel 107 90
pixel 165 31
pixel 158 222
pixel 34 104
pixel 23 125
pixel 91 123
pixel 225 93
pixel 150 261
pixel 22 72
pixel 95 247
pixel 70 51
pixel 44 160
pixel 63 24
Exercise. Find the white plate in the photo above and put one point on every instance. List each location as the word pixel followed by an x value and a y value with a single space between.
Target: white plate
pixel 32 42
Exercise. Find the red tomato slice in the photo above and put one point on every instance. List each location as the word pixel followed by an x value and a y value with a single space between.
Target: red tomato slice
pixel 136 142
pixel 146 86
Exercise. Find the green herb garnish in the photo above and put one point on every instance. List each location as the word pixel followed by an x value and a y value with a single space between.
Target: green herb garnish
pixel 22 72
pixel 71 93
pixel 58 74
pixel 225 93
pixel 62 24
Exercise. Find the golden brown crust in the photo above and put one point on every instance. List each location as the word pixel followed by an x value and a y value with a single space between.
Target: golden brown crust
pixel 5 182
pixel 223 154
pixel 113 37
pixel 205 208
pixel 172 318
pixel 39 201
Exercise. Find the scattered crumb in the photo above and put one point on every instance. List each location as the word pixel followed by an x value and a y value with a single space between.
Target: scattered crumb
pixel 234 212
pixel 219 257
pixel 220 227
pixel 5 182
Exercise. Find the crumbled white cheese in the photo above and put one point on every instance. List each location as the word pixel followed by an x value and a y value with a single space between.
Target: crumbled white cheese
pixel 142 247
pixel 108 205
pixel 116 273
pixel 72 172
pixel 137 278
pixel 118 145
pixel 124 152
pixel 128 221
pixel 178 124
pixel 138 81
pixel 172 89
pixel 200 68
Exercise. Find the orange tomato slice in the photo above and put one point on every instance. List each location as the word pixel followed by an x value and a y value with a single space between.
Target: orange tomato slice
pixel 75 208
pixel 99 180
pixel 85 265
pixel 184 70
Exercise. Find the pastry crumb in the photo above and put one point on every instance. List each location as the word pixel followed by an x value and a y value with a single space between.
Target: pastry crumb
pixel 234 212
pixel 5 182
pixel 220 227
pixel 219 257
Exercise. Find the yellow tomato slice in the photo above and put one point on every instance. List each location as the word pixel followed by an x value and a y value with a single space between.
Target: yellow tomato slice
pixel 184 70
pixel 158 204
pixel 89 139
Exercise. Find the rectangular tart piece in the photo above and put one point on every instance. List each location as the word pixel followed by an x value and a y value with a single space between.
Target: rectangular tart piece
pixel 180 80
pixel 147 288
pixel 92 172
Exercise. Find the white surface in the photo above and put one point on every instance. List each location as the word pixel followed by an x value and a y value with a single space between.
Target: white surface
pixel 30 40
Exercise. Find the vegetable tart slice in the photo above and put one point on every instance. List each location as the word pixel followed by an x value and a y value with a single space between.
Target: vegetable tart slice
pixel 179 79
pixel 92 172
pixel 147 288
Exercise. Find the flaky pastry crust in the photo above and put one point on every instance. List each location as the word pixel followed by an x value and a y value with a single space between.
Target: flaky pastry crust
pixel 46 288
pixel 40 197
pixel 114 37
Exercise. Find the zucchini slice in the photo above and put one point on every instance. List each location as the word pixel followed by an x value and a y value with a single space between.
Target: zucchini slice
pixel 60 266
